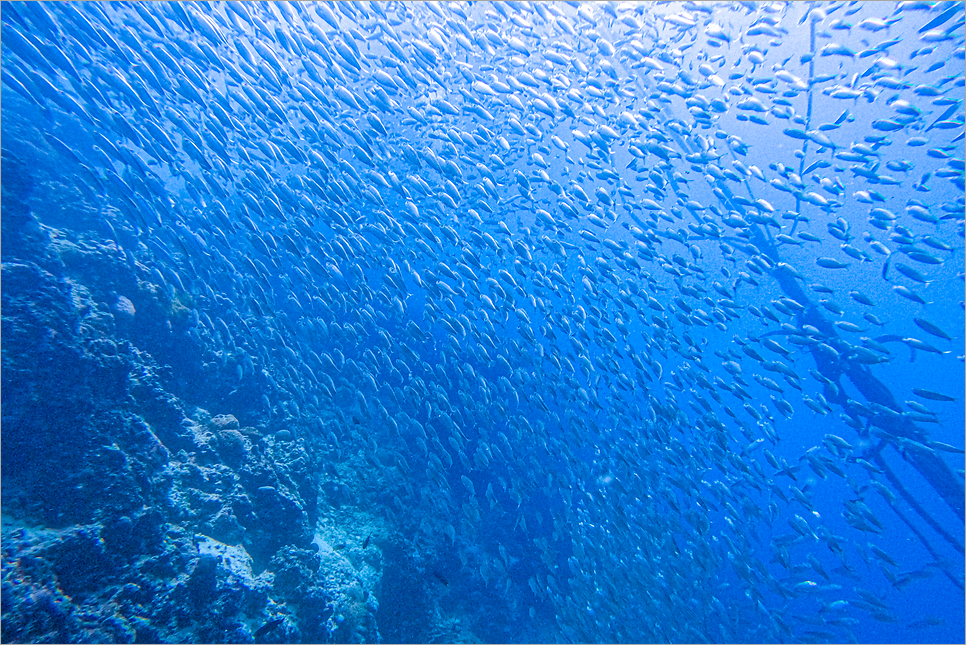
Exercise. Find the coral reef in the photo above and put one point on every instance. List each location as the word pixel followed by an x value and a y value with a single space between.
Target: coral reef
pixel 129 514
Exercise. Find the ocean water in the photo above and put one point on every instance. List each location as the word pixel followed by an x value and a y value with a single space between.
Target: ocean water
pixel 482 322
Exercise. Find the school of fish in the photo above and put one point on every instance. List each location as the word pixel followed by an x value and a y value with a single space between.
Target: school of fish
pixel 590 285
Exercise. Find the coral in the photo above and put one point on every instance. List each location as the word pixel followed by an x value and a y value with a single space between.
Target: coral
pixel 451 629
pixel 233 447
pixel 180 309
pixel 132 514
pixel 295 570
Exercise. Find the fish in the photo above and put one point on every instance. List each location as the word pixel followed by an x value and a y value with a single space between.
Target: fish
pixel 573 254
pixel 942 18
pixel 932 396
pixel 928 621
pixel 267 628
pixel 831 263
pixel 931 328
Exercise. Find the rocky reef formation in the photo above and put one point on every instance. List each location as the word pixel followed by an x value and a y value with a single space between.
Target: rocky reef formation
pixel 130 512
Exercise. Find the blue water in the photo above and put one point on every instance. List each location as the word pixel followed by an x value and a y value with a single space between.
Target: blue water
pixel 499 322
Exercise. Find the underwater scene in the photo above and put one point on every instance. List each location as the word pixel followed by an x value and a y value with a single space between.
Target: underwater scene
pixel 482 322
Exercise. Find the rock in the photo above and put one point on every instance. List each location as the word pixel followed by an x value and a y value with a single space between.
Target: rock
pixel 203 581
pixel 144 525
pixel 225 527
pixel 118 534
pixel 80 560
pixel 234 560
pixel 295 570
pixel 233 447
pixel 124 309
pixel 225 422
